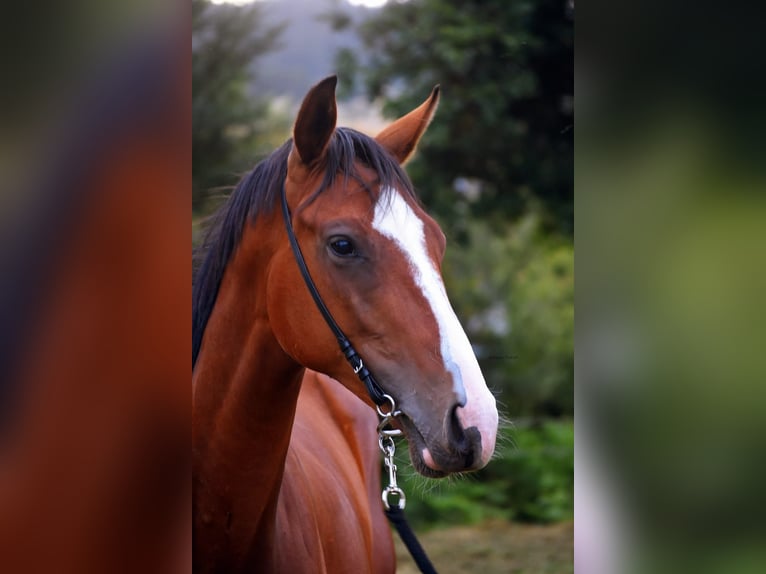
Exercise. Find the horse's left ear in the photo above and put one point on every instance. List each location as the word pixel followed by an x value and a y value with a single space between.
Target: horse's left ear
pixel 315 123
pixel 402 136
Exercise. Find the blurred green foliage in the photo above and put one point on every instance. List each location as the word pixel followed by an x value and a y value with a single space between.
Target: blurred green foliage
pixel 670 288
pixel 673 333
pixel 514 292
pixel 530 480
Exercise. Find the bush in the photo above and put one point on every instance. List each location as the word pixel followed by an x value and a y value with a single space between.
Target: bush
pixel 531 480
pixel 513 290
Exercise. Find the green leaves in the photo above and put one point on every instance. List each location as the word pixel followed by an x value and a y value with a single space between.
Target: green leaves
pixel 530 480
pixel 514 292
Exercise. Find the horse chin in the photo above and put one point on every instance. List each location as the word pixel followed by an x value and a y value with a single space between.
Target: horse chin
pixel 420 456
pixel 419 460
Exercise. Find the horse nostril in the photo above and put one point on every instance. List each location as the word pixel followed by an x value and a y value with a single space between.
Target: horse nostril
pixel 465 442
pixel 456 434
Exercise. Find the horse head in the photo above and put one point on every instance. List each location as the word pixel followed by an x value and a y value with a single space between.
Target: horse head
pixel 375 256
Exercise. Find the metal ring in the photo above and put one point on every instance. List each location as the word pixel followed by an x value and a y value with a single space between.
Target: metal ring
pixel 393 490
pixel 393 412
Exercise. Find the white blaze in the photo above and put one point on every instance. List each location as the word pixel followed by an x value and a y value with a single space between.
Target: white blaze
pixel 395 219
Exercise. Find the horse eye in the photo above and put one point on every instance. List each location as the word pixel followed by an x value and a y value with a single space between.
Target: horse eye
pixel 343 247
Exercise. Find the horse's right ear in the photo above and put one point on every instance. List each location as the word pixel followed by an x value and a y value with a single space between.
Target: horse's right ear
pixel 401 137
pixel 315 123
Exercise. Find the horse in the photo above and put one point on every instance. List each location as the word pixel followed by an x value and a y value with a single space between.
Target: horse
pixel 285 470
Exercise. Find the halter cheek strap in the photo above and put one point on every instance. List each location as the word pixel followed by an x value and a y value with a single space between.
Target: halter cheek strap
pixel 376 393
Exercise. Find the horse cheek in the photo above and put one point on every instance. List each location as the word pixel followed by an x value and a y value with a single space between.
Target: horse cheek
pixel 298 326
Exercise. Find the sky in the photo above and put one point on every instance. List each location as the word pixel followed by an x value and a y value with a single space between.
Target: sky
pixel 371 3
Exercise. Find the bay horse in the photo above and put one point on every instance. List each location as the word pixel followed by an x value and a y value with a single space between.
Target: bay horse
pixel 286 475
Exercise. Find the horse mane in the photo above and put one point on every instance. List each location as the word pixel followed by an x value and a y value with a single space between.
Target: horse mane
pixel 258 192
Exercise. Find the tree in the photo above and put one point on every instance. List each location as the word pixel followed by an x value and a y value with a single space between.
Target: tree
pixel 226 40
pixel 503 138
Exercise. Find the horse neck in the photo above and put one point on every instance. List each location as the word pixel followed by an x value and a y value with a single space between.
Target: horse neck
pixel 245 395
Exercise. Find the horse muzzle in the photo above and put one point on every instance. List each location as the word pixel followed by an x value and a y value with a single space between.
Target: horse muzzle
pixel 451 447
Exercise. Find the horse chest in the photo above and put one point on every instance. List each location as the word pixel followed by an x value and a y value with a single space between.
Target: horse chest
pixel 329 517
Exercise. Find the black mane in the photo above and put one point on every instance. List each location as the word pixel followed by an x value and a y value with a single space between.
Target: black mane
pixel 258 192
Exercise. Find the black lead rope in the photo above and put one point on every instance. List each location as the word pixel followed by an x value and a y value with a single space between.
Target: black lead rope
pixel 394 513
pixel 396 516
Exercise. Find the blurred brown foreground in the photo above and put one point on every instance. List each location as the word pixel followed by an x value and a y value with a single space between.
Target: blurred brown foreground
pixel 94 293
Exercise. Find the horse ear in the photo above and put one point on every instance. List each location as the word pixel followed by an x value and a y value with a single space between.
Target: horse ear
pixel 402 136
pixel 315 122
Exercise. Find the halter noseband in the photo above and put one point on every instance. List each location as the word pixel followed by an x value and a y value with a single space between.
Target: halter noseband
pixel 378 396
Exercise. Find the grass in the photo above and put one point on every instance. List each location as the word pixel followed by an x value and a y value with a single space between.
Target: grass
pixel 495 547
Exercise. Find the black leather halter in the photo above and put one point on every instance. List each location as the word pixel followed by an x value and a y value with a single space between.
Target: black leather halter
pixel 376 393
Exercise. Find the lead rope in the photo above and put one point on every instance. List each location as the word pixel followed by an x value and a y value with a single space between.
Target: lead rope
pixel 395 510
